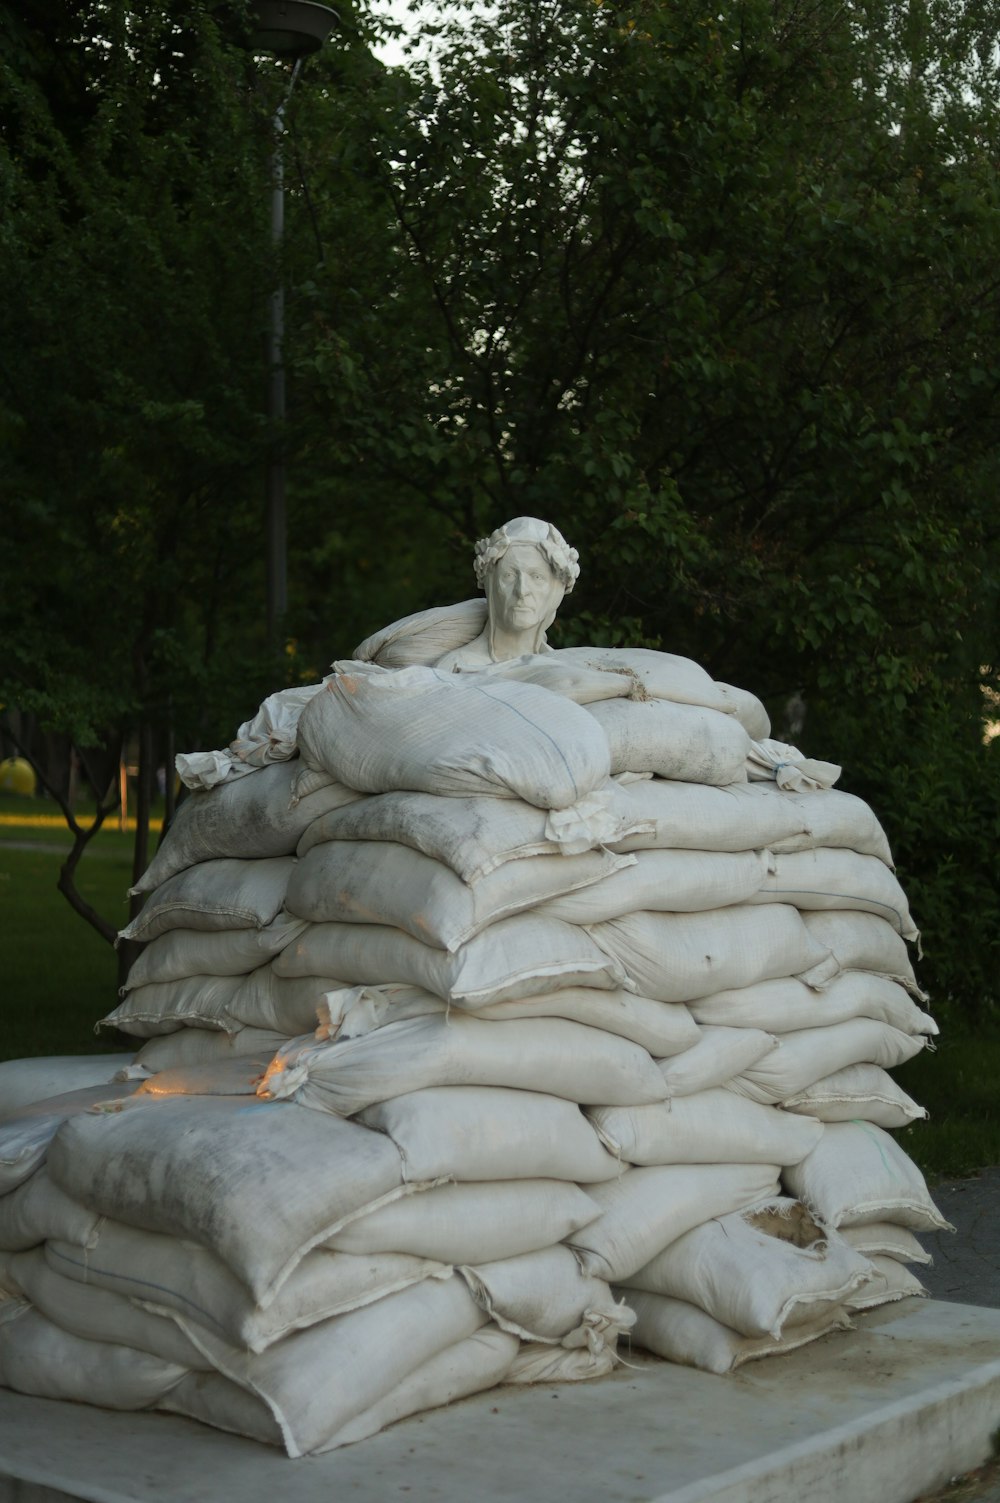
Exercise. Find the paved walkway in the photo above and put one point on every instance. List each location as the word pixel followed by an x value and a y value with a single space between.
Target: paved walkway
pixel 967 1266
pixel 966 1271
pixel 864 1416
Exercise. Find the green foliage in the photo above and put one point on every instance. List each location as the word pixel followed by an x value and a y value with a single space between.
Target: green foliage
pixel 131 434
pixel 716 294
pixel 938 788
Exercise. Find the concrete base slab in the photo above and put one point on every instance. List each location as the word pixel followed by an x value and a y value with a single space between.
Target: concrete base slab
pixel 875 1415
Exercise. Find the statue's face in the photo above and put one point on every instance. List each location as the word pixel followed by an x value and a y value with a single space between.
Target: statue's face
pixel 523 592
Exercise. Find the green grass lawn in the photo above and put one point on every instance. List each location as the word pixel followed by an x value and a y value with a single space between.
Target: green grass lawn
pixel 41 821
pixel 60 977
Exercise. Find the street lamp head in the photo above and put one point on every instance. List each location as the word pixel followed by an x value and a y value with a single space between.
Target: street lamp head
pixel 291 29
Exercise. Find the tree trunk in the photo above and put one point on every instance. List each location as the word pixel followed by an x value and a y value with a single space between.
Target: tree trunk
pixel 144 793
pixel 106 803
pixel 169 773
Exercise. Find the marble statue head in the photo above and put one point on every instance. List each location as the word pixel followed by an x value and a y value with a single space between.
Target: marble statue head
pixel 525 567
pixel 560 557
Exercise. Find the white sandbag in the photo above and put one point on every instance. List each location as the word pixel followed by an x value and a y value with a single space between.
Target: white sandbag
pixel 239 1076
pixel 886 1239
pixel 247 817
pixel 260 1183
pixel 862 1092
pixel 647 1209
pixel 213 1400
pixel 352 1012
pixel 165 1007
pixel 181 953
pixel 664 675
pixel 38 1210
pixel 552 671
pixel 790 768
pixel 758 1270
pixel 858 1173
pixel 479 1362
pixel 472 1223
pixel 802 1058
pixel 203 1046
pixel 682 1333
pixel 712 1127
pixel 662 1028
pixel 677 957
pixel 475 836
pixel 745 817
pixel 828 878
pixel 96 1314
pixel 418 728
pixel 176 1277
pixel 747 708
pixel 786 1005
pixel 890 1281
pixel 268 736
pixel 313 1381
pixel 488 1132
pixel 544 1296
pixel 538 1362
pixel 719 1055
pixel 664 881
pixel 521 956
pixel 289 1005
pixel 424 636
pixel 39 1358
pixel 685 742
pixel 659 675
pixel 550 1055
pixel 202 770
pixel 27 1131
pixel 383 882
pixel 25 1081
pixel 222 894
pixel 864 942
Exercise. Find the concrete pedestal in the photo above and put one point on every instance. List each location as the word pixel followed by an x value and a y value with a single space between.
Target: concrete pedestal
pixel 876 1415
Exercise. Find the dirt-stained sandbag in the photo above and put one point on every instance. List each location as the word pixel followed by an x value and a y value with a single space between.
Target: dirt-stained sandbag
pixel 421 729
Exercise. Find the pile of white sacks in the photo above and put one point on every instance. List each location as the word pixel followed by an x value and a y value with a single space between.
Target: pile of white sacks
pixel 494 1024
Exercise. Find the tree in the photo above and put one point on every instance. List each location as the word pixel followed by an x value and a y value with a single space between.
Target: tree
pixel 718 294
pixel 130 428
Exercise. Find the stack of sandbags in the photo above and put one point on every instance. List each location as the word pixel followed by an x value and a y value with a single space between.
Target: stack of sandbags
pixel 494 1020
pixel 214 908
pixel 817 1045
pixel 191 1182
pixel 185 1266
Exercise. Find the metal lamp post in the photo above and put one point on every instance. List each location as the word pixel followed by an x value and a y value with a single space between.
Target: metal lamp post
pixel 291 30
